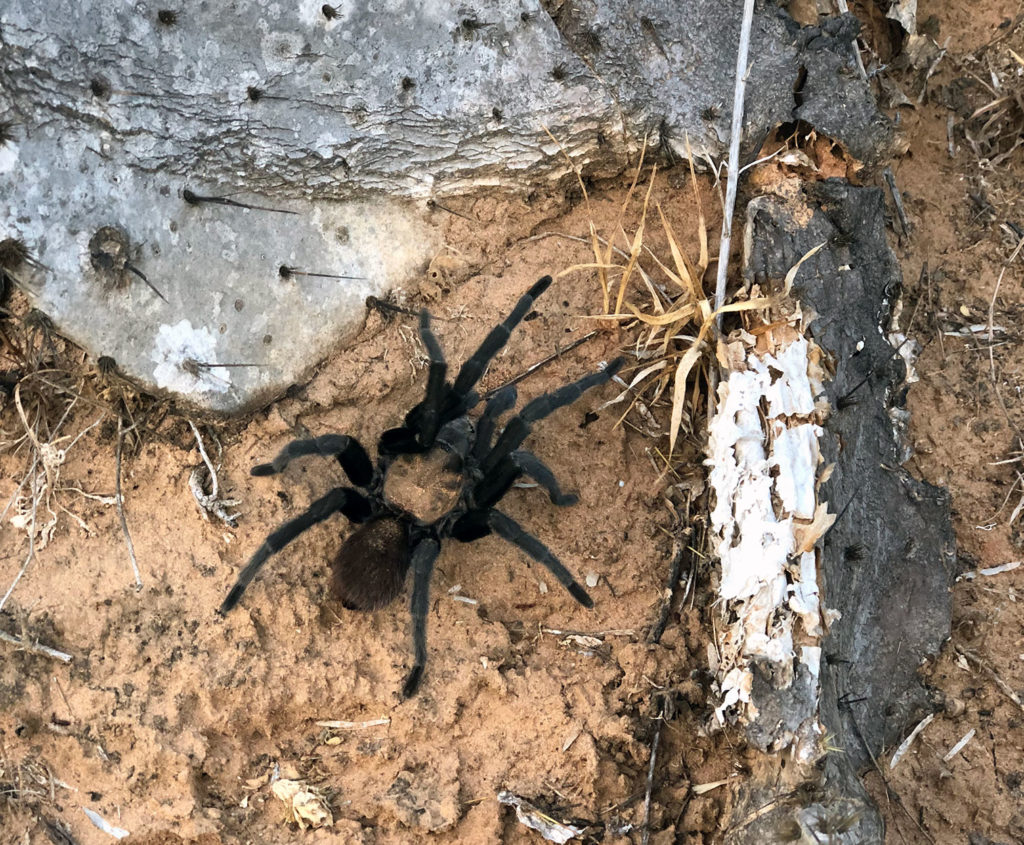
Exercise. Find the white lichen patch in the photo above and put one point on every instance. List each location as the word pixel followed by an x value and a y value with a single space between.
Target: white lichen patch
pixel 8 157
pixel 177 352
pixel 764 469
pixel 796 457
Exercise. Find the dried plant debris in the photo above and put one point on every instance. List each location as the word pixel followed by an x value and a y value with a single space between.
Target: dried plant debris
pixel 763 449
pixel 536 819
pixel 891 534
pixel 305 805
pixel 42 405
pixel 105 826
pixel 662 298
pixel 210 504
pixel 988 102
pixel 27 781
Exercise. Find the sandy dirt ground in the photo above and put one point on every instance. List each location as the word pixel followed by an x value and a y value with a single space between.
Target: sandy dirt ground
pixel 967 213
pixel 172 723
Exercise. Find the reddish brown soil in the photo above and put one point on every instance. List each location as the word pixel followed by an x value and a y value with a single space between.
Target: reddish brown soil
pixel 967 422
pixel 170 722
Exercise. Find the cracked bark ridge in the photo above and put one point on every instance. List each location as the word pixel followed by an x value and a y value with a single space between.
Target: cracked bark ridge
pixel 888 561
pixel 343 120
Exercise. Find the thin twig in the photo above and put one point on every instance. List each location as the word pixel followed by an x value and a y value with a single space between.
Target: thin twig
pixel 904 746
pixel 17 490
pixel 35 647
pixel 214 487
pixel 210 502
pixel 529 371
pixel 890 793
pixel 645 836
pixel 897 200
pixel 342 725
pixel 670 591
pixel 991 330
pixel 845 9
pixel 611 632
pixel 734 153
pixel 119 501
pixel 31 543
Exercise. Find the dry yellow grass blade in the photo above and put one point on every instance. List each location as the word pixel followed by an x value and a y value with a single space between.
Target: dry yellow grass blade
pixel 602 262
pixel 693 354
pixel 684 269
pixel 669 273
pixel 607 257
pixel 626 201
pixel 673 334
pixel 791 275
pixel 634 254
pixel 680 314
pixel 655 296
pixel 679 385
pixel 602 265
pixel 633 385
pixel 638 240
pixel 587 266
pixel 702 229
pixel 572 164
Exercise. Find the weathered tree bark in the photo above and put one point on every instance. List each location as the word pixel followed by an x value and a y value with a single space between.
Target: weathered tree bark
pixel 887 562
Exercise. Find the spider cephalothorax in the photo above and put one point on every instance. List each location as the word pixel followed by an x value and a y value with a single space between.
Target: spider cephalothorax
pixel 437 476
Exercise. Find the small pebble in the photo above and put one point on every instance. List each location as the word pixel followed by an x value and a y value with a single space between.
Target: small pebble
pixel 592 579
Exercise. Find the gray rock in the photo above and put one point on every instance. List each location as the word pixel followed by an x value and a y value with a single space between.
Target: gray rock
pixel 348 118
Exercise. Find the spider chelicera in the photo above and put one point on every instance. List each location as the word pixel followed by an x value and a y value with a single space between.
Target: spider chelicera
pixel 436 476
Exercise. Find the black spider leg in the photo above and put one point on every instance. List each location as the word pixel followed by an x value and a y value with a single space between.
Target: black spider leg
pixel 525 462
pixel 508 529
pixel 494 484
pixel 430 410
pixel 502 401
pixel 517 429
pixel 345 500
pixel 473 369
pixel 529 464
pixel 349 452
pixel 421 425
pixel 423 557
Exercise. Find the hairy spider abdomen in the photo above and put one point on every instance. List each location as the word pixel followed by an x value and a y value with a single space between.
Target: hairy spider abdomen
pixel 425 486
pixel 369 570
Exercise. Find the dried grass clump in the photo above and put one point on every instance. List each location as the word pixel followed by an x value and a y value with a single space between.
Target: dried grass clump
pixel 26 782
pixel 34 416
pixel 48 403
pixel 665 300
pixel 987 118
pixel 994 129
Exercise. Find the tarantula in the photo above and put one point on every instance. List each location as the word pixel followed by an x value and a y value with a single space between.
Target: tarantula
pixel 436 476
